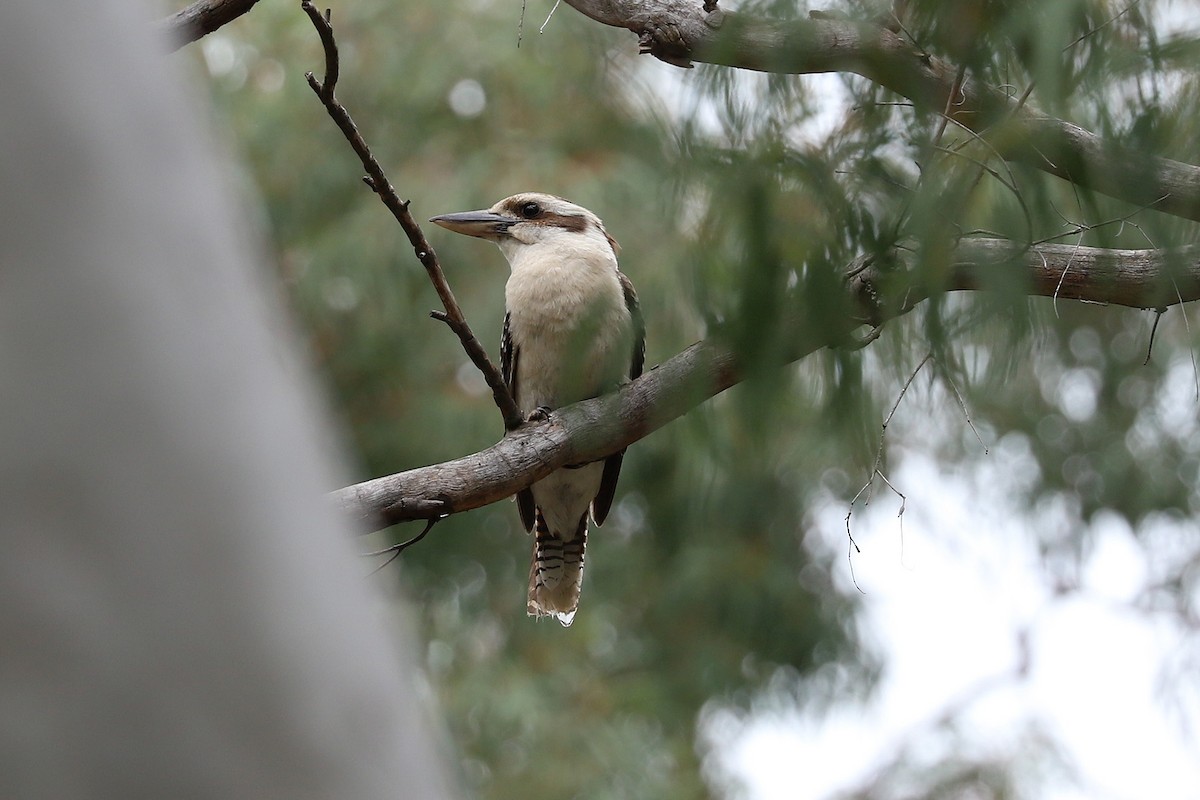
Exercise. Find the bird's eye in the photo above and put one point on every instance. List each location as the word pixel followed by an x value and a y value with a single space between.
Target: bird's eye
pixel 530 210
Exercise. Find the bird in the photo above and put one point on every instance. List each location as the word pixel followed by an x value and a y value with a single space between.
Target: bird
pixel 573 330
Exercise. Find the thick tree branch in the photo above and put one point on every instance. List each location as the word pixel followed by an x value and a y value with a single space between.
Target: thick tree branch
pixel 575 434
pixel 1134 278
pixel 680 31
pixel 200 19
pixel 593 429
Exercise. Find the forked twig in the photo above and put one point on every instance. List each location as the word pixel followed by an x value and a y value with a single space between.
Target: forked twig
pixel 397 549
pixel 887 421
pixel 876 469
pixel 378 182
pixel 869 486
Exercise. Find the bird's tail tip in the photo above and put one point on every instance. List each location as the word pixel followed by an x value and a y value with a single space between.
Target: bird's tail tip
pixel 565 618
pixel 556 572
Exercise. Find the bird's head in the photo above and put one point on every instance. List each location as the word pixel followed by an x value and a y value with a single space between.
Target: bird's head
pixel 532 220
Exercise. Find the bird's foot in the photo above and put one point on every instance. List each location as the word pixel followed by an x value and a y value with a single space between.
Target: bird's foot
pixel 539 414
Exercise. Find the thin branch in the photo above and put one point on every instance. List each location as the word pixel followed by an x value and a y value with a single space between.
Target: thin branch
pixel 876 471
pixel 1063 277
pixel 962 405
pixel 1093 31
pixel 868 486
pixel 1158 313
pixel 378 182
pixel 557 3
pixel 903 502
pixel 200 19
pixel 593 429
pixel 1081 227
pixel 955 91
pixel 396 549
pixel 680 32
pixel 1010 184
pixel 325 89
pixel 851 549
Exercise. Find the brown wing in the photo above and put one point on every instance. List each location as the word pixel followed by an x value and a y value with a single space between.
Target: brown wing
pixel 508 370
pixel 612 465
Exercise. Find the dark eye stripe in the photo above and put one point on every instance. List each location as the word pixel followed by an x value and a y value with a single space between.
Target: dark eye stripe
pixel 533 212
pixel 570 222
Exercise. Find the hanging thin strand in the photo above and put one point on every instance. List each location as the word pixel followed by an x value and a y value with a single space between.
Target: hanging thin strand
pixel 548 16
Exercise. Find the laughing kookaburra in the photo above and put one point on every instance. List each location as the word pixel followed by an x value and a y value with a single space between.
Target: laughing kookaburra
pixel 572 330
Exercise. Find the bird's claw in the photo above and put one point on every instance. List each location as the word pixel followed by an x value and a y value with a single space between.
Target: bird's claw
pixel 539 414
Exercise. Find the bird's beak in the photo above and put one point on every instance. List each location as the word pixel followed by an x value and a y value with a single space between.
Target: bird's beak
pixel 483 224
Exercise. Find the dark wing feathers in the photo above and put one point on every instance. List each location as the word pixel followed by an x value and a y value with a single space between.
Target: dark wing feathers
pixel 639 327
pixel 508 367
pixel 525 506
pixel 612 465
pixel 508 370
pixel 608 487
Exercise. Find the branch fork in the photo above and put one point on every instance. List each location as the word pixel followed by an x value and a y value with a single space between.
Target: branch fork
pixel 377 181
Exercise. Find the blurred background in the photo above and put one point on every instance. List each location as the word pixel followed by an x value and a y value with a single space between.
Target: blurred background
pixel 994 628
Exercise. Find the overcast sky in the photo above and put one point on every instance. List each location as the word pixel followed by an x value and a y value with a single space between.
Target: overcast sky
pixel 1118 690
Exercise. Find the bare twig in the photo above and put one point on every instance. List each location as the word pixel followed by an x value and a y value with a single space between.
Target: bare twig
pixel 903 502
pixel 962 405
pixel 877 472
pixel 955 92
pixel 1158 314
pixel 326 88
pixel 887 421
pixel 1063 277
pixel 866 339
pixel 548 16
pixel 396 549
pixel 378 181
pixel 1009 184
pixel 1081 227
pixel 868 487
pixel 1093 31
pixel 851 549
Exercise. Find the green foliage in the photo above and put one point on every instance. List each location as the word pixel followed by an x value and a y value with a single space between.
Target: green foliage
pixel 736 220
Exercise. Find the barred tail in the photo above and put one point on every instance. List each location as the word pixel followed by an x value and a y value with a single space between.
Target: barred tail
pixel 556 571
